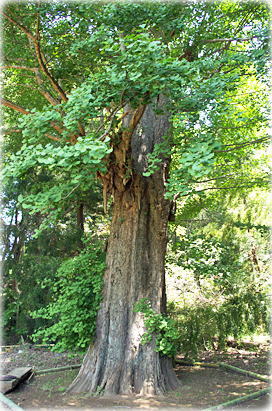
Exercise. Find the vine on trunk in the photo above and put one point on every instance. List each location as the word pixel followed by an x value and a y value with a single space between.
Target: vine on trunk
pixel 160 327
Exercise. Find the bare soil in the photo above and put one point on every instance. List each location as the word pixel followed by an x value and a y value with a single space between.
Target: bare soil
pixel 200 387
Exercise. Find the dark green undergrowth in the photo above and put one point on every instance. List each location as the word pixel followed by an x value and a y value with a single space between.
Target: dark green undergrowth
pixel 76 298
pixel 207 325
pixel 191 329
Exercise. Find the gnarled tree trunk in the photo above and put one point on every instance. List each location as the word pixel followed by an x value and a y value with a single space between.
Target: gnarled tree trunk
pixel 118 363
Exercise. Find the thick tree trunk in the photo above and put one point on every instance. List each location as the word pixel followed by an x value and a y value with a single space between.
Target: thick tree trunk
pixel 118 363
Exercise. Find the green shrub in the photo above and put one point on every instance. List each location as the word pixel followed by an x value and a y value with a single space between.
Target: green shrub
pixel 218 288
pixel 76 299
pixel 207 325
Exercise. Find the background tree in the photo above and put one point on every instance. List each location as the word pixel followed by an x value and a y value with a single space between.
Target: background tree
pixel 32 256
pixel 151 83
pixel 218 269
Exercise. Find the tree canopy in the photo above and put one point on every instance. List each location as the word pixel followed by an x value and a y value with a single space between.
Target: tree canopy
pixel 209 59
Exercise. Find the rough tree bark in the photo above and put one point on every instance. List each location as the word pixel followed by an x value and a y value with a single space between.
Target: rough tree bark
pixel 118 363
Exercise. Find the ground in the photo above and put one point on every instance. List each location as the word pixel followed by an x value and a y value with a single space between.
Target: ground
pixel 200 387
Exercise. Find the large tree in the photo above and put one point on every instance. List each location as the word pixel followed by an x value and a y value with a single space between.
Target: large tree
pixel 114 91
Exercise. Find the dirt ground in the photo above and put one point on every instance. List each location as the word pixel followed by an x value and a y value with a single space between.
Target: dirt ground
pixel 200 387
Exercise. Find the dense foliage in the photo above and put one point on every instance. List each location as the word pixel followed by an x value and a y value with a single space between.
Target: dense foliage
pixel 219 269
pixel 76 294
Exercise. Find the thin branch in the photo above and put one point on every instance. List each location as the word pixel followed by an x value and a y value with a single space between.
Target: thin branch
pixel 12 130
pixel 43 66
pixel 20 109
pixel 249 93
pixel 224 72
pixel 218 69
pixel 52 137
pixel 44 93
pixel 214 188
pixel 122 45
pixel 213 179
pixel 233 128
pixel 196 220
pixel 21 59
pixel 238 146
pixel 48 96
pixel 40 57
pixel 81 129
pixel 21 27
pixel 231 39
pixel 53 81
pixel 56 127
pixel 225 188
pixel 28 76
pixel 19 68
pixel 233 68
pixel 248 142
pixel 111 118
pixel 71 191
pixel 16 107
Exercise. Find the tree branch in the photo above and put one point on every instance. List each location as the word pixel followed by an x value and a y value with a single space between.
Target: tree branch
pixel 52 137
pixel 12 130
pixel 20 109
pixel 213 188
pixel 46 94
pixel 42 63
pixel 111 118
pixel 231 39
pixel 81 129
pixel 212 179
pixel 248 142
pixel 19 68
pixel 238 146
pixel 20 59
pixel 224 188
pixel 16 107
pixel 21 27
pixel 43 91
pixel 41 60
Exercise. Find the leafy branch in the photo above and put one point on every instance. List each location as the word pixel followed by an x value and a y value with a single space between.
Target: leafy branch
pixel 20 109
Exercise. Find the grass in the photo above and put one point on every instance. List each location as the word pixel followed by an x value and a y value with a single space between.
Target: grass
pixel 58 382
